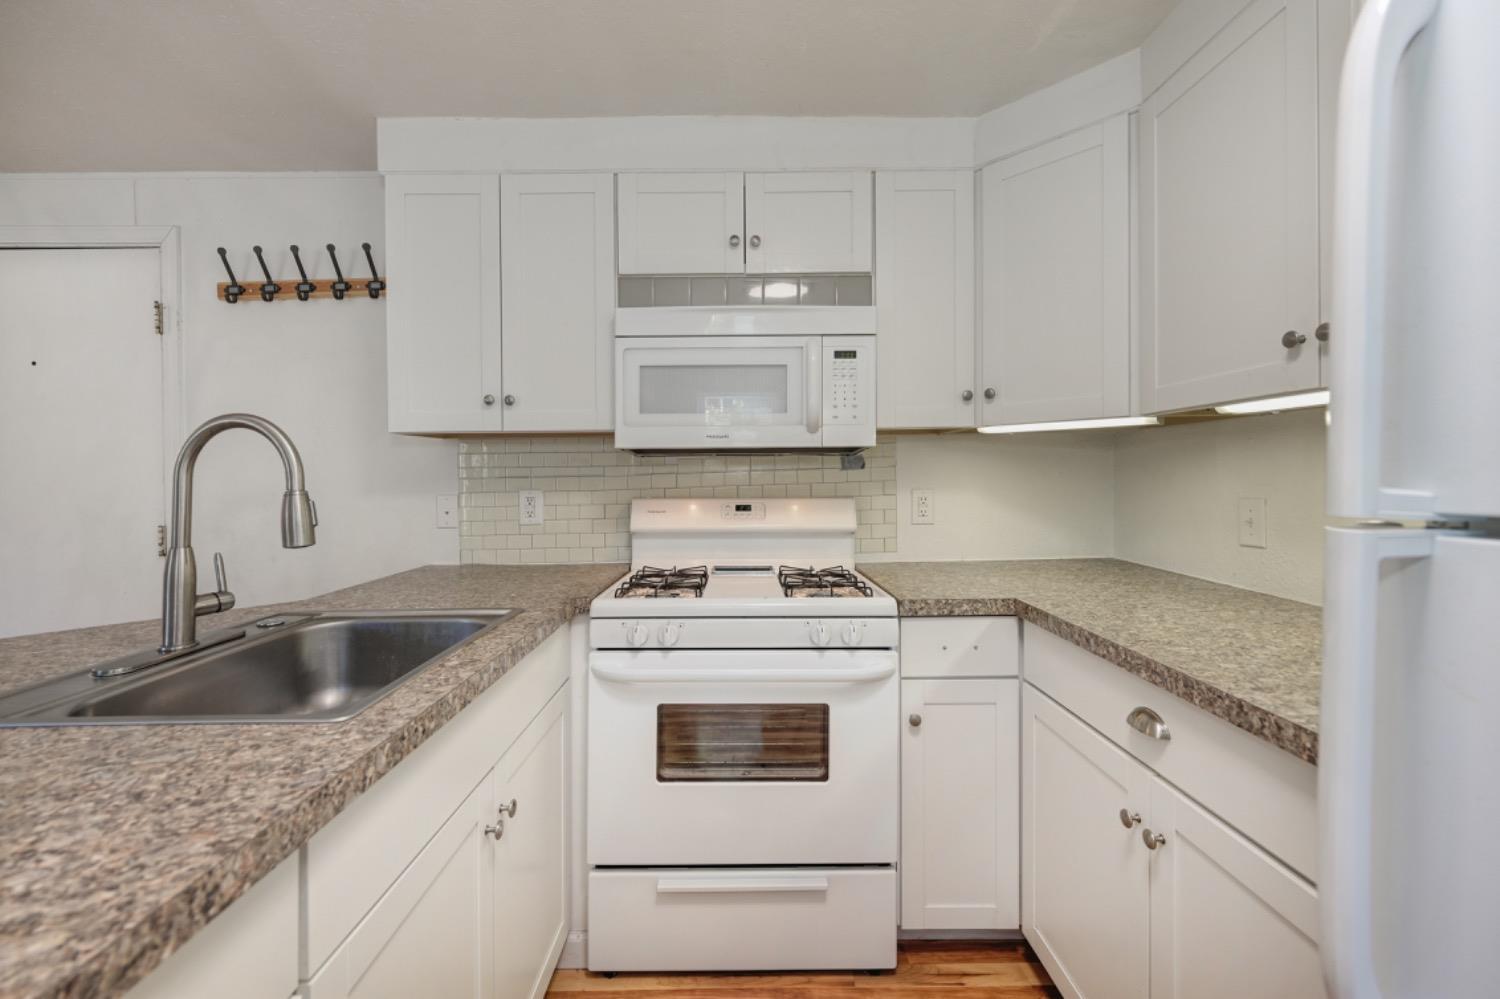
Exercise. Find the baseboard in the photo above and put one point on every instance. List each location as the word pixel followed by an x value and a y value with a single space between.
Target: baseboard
pixel 575 951
pixel 959 935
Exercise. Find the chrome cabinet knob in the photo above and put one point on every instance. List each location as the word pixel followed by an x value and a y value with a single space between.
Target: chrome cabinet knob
pixel 1129 819
pixel 989 395
pixel 1152 839
pixel 1321 333
pixel 754 241
pixel 967 395
pixel 734 240
pixel 510 400
pixel 509 811
pixel 914 720
pixel 489 400
pixel 1291 338
pixel 497 830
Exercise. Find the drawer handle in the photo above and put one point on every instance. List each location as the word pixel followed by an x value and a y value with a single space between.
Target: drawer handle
pixel 738 886
pixel 1149 723
pixel 1152 839
pixel 1129 819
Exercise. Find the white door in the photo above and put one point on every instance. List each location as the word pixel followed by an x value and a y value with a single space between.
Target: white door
pixel 558 301
pixel 430 934
pixel 808 222
pixel 1085 874
pixel 1227 920
pixel 1056 279
pixel 924 288
pixel 442 234
pixel 81 438
pixel 530 866
pixel 1229 215
pixel 960 805
pixel 682 223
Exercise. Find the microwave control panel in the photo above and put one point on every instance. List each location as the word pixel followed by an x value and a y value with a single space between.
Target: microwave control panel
pixel 848 389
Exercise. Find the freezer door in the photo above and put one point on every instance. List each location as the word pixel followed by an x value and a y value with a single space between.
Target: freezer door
pixel 1415 340
pixel 1409 767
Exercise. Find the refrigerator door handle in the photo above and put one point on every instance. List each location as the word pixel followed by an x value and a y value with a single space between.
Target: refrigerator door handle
pixel 1366 95
pixel 1346 778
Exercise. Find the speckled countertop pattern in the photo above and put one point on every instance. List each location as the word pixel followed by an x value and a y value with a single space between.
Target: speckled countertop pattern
pixel 118 843
pixel 1251 659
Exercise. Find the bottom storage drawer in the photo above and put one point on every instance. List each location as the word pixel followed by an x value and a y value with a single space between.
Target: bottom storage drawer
pixel 742 919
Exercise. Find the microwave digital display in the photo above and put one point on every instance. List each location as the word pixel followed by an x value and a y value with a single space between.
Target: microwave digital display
pixel 842 355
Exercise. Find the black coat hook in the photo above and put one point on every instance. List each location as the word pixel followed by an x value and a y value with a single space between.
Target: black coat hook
pixel 233 292
pixel 304 288
pixel 375 286
pixel 340 288
pixel 269 287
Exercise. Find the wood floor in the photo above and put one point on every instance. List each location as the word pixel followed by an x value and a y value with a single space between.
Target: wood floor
pixel 926 970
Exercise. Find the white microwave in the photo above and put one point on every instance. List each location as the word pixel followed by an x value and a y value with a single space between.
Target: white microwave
pixel 766 378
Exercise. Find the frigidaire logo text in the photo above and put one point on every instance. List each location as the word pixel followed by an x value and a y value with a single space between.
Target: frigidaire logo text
pixel 717 437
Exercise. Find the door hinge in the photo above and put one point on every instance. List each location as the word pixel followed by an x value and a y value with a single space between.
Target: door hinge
pixel 161 540
pixel 157 309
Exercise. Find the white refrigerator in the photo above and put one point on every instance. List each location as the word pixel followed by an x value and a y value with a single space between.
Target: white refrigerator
pixel 1409 769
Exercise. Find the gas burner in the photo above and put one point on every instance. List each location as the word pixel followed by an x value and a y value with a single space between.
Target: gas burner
pixel 835 581
pixel 648 581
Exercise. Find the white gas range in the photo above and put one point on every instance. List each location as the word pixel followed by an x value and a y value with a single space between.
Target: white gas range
pixel 742 745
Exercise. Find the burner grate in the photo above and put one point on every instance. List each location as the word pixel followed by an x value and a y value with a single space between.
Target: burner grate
pixel 835 581
pixel 649 581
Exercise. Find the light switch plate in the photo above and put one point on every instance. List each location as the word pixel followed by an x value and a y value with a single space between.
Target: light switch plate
pixel 532 510
pixel 923 507
pixel 1252 521
pixel 447 510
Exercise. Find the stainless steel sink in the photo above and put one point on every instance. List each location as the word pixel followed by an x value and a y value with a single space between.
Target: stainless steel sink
pixel 323 667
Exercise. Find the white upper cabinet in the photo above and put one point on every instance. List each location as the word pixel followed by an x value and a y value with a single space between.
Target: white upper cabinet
pixel 558 275
pixel 443 316
pixel 924 287
pixel 681 223
pixel 799 222
pixel 1229 215
pixel 1056 279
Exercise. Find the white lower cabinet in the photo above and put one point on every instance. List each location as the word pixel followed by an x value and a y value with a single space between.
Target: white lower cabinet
pixel 960 828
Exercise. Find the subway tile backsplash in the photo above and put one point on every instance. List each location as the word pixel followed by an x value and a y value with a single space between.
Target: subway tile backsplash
pixel 635 291
pixel 587 487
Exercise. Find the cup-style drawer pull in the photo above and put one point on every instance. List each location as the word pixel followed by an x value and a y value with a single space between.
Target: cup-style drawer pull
pixel 1148 722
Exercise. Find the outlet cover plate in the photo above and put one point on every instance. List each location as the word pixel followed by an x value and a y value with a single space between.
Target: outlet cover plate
pixel 1251 515
pixel 923 507
pixel 532 509
pixel 447 510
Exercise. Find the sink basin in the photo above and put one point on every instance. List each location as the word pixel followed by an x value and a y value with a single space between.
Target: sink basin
pixel 325 667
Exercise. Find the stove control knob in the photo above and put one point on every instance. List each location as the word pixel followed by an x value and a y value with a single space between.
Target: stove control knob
pixel 635 633
pixel 668 633
pixel 817 631
pixel 853 634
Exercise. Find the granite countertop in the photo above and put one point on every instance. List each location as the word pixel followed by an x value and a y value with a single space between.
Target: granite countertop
pixel 1251 659
pixel 118 843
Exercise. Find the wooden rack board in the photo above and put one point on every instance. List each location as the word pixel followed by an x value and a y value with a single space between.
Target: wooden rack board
pixel 358 288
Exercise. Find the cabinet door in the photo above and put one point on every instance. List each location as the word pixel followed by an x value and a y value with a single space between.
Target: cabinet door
pixel 530 872
pixel 807 222
pixel 960 805
pixel 1229 215
pixel 430 934
pixel 1056 279
pixel 1085 888
pixel 442 235
pixel 1227 920
pixel 925 290
pixel 558 282
pixel 682 223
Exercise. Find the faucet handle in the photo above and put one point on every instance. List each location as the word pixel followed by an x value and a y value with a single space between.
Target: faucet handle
pixel 221 579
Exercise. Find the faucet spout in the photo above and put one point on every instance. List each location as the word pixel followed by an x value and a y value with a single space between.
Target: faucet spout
pixel 181 603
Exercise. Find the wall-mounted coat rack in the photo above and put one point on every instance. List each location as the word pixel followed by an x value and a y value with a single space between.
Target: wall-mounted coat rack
pixel 270 290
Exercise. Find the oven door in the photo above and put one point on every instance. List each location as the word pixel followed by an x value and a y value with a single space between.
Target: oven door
pixel 718 392
pixel 742 757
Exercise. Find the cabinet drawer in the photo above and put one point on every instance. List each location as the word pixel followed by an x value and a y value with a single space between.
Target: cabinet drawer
pixel 742 919
pixel 1265 792
pixel 960 646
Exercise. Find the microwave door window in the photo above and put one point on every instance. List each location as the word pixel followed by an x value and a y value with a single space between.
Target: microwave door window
pixel 718 394
pixel 741 742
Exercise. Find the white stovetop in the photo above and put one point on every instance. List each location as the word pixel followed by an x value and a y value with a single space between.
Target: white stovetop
pixel 746 595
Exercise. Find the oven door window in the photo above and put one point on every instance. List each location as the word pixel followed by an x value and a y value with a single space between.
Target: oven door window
pixel 742 742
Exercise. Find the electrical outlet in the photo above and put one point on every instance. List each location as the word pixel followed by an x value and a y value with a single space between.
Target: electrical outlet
pixel 1252 520
pixel 447 510
pixel 923 509
pixel 532 510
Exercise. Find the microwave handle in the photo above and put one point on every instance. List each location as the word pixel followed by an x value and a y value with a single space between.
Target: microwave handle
pixel 813 349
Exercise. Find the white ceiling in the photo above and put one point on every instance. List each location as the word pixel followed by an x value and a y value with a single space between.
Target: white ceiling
pixel 297 84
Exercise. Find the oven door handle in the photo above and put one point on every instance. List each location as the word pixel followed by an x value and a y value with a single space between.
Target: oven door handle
pixel 739 886
pixel 626 674
pixel 813 352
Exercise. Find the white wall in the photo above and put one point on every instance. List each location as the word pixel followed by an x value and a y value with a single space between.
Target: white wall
pixel 1177 489
pixel 316 368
